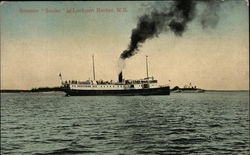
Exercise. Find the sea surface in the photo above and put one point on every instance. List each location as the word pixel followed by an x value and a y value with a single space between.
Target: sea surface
pixel 182 123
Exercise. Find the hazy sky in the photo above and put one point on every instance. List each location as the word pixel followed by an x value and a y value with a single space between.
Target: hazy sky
pixel 37 46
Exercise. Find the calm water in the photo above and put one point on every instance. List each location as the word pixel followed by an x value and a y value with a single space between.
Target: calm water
pixel 51 124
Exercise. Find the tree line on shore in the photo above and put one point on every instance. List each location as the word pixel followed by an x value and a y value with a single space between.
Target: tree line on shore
pixel 39 89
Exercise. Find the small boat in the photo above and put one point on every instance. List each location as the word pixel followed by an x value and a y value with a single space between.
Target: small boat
pixel 187 89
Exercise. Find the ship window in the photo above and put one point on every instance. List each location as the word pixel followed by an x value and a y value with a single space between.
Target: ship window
pixel 146 86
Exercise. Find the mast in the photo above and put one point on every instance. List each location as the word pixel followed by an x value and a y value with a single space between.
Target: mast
pixel 147 65
pixel 60 75
pixel 93 60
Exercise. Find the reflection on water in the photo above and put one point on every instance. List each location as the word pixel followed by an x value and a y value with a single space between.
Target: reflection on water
pixel 205 123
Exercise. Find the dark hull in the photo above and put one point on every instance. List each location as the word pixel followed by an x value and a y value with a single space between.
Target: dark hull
pixel 131 92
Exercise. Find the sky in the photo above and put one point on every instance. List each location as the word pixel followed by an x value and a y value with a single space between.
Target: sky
pixel 37 45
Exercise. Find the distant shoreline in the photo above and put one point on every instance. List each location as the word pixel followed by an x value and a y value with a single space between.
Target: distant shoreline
pixel 41 89
pixel 26 91
pixel 227 90
pixel 13 91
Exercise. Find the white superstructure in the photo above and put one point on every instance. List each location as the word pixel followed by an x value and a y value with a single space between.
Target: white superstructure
pixel 106 85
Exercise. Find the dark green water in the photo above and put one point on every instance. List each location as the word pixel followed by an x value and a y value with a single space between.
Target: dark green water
pixel 51 124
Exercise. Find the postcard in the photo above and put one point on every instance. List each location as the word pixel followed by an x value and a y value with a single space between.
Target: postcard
pixel 125 77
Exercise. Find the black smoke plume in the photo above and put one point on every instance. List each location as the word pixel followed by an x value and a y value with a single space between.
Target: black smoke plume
pixel 170 18
pixel 210 17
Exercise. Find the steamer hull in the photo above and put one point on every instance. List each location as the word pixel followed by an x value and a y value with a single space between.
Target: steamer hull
pixel 126 92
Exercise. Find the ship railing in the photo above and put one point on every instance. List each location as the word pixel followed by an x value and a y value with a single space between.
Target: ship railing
pixel 165 85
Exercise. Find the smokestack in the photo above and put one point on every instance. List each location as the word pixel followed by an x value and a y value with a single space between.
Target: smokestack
pixel 120 77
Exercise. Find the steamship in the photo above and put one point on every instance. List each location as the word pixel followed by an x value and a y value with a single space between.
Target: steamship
pixel 145 86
